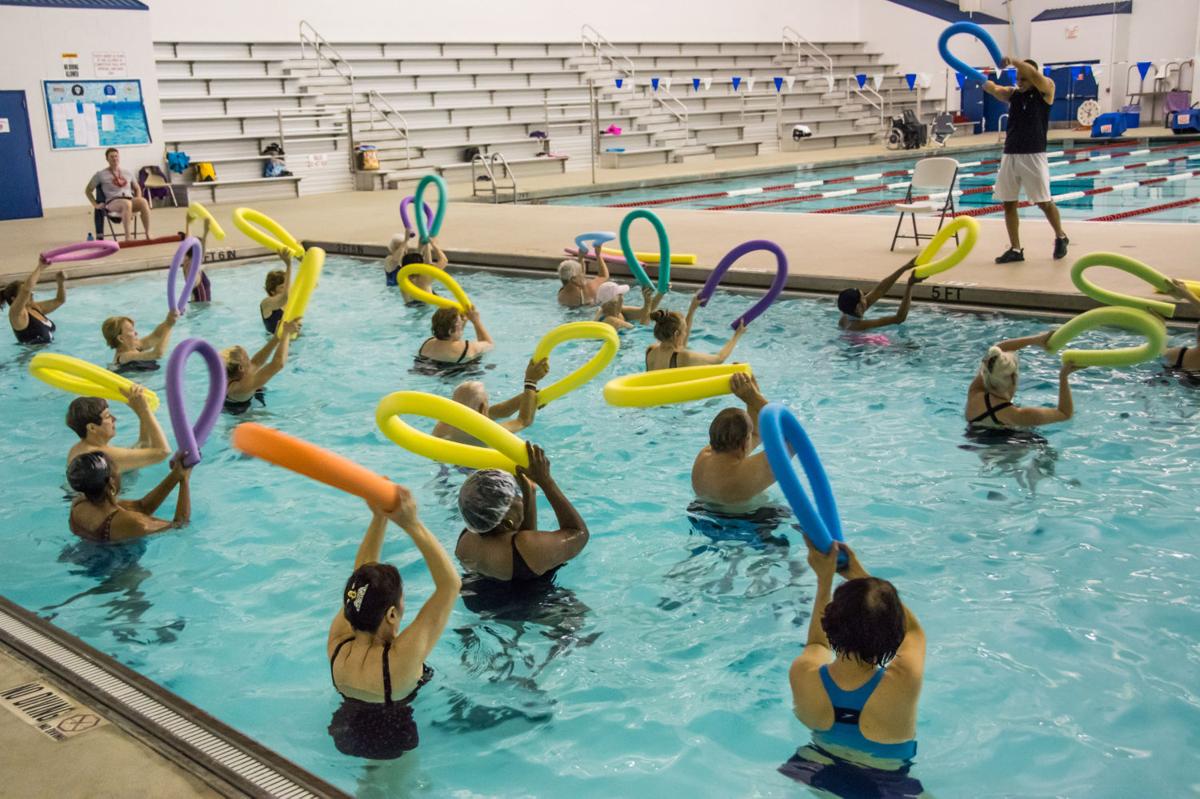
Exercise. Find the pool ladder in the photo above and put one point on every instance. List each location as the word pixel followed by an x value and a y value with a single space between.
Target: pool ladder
pixel 484 165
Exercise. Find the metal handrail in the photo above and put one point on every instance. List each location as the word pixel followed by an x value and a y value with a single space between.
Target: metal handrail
pixel 319 45
pixel 747 98
pixel 386 113
pixel 794 37
pixel 671 104
pixel 861 91
pixel 597 42
pixel 488 163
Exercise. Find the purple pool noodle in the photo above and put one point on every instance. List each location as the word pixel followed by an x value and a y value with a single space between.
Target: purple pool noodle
pixel 781 273
pixel 179 302
pixel 408 225
pixel 189 438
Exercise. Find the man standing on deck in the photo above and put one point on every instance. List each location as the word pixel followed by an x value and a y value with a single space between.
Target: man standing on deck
pixel 1024 165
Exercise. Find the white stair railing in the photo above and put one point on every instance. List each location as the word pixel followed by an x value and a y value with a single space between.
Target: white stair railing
pixel 324 54
pixel 378 104
pixel 671 104
pixel 485 166
pixel 803 47
pixel 604 50
pixel 869 96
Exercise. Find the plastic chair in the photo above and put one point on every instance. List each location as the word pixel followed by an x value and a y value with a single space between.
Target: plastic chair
pixel 155 185
pixel 1176 101
pixel 935 177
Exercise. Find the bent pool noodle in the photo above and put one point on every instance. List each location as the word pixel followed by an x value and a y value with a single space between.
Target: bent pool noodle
pixel 404 219
pixel 426 232
pixel 597 237
pixel 781 274
pixel 979 33
pixel 80 251
pixel 664 250
pixel 317 463
pixel 189 438
pixel 611 259
pixel 779 427
pixel 179 302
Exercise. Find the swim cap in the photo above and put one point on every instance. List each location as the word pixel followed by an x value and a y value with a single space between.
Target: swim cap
pixel 609 291
pixel 848 300
pixel 485 497
pixel 568 269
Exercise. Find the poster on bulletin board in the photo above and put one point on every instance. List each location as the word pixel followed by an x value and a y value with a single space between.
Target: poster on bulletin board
pixel 96 113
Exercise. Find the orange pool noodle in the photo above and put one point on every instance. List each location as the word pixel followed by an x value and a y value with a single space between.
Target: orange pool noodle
pixel 315 462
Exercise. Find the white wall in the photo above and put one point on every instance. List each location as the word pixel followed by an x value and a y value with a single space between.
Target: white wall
pixel 502 20
pixel 908 39
pixel 32 41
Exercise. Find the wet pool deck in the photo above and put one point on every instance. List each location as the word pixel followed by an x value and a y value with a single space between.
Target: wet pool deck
pixel 104 762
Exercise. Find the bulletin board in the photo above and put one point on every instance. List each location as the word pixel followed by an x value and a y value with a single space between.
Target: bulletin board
pixel 96 113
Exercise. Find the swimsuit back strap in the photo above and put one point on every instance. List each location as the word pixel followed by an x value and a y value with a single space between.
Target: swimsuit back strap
pixel 1179 361
pixel 336 651
pixel 387 674
pixel 466 349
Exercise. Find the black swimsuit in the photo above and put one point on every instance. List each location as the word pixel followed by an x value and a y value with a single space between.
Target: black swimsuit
pixel 991 411
pixel 238 407
pixel 521 573
pixel 374 730
pixel 421 350
pixel 134 366
pixel 1179 361
pixel 271 322
pixel 38 331
pixel 674 359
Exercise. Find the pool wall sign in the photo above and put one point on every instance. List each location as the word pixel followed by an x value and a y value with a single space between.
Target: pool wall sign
pixel 55 715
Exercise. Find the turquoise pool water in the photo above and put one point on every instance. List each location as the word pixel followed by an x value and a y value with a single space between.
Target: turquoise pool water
pixel 1058 583
pixel 882 189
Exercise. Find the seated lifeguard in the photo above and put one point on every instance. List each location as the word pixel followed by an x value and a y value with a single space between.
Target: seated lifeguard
pixel 122 195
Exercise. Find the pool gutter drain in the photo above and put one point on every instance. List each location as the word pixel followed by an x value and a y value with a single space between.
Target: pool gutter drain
pixel 186 735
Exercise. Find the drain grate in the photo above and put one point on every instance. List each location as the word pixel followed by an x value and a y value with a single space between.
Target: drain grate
pixel 170 720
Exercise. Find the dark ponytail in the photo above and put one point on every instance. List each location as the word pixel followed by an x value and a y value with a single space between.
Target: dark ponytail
pixel 9 293
pixel 667 324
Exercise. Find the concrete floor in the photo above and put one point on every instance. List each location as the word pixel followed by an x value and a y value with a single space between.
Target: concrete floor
pixel 104 763
pixel 827 252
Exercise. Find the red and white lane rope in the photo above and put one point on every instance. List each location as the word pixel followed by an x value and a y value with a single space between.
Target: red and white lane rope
pixel 903 185
pixel 1153 209
pixel 1075 195
pixel 810 184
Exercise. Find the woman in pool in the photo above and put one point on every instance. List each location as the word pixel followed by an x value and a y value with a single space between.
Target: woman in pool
pixel 858 680
pixel 202 291
pixel 429 253
pixel 577 289
pixel 132 353
pixel 98 515
pixel 611 299
pixel 376 666
pixel 277 285
pixel 854 304
pixel 501 540
pixel 990 397
pixel 247 376
pixel 30 320
pixel 447 345
pixel 473 394
pixel 672 330
pixel 1184 359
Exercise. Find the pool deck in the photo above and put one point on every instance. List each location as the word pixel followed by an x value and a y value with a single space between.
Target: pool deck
pixel 106 761
pixel 827 252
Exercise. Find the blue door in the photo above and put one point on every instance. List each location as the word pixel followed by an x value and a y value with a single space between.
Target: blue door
pixel 20 197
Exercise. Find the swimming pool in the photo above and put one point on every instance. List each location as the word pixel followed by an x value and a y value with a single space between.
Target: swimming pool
pixel 1155 182
pixel 1056 582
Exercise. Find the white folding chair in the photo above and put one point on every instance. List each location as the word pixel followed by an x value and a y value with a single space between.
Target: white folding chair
pixel 936 178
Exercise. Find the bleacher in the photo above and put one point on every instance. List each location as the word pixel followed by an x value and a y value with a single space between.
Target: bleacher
pixel 429 107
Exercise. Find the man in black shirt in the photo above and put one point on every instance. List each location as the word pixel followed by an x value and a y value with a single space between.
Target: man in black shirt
pixel 1024 165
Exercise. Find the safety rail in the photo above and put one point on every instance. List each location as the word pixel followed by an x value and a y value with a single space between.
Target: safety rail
pixel 378 104
pixel 319 46
pixel 794 37
pixel 594 39
pixel 671 104
pixel 864 93
pixel 488 163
